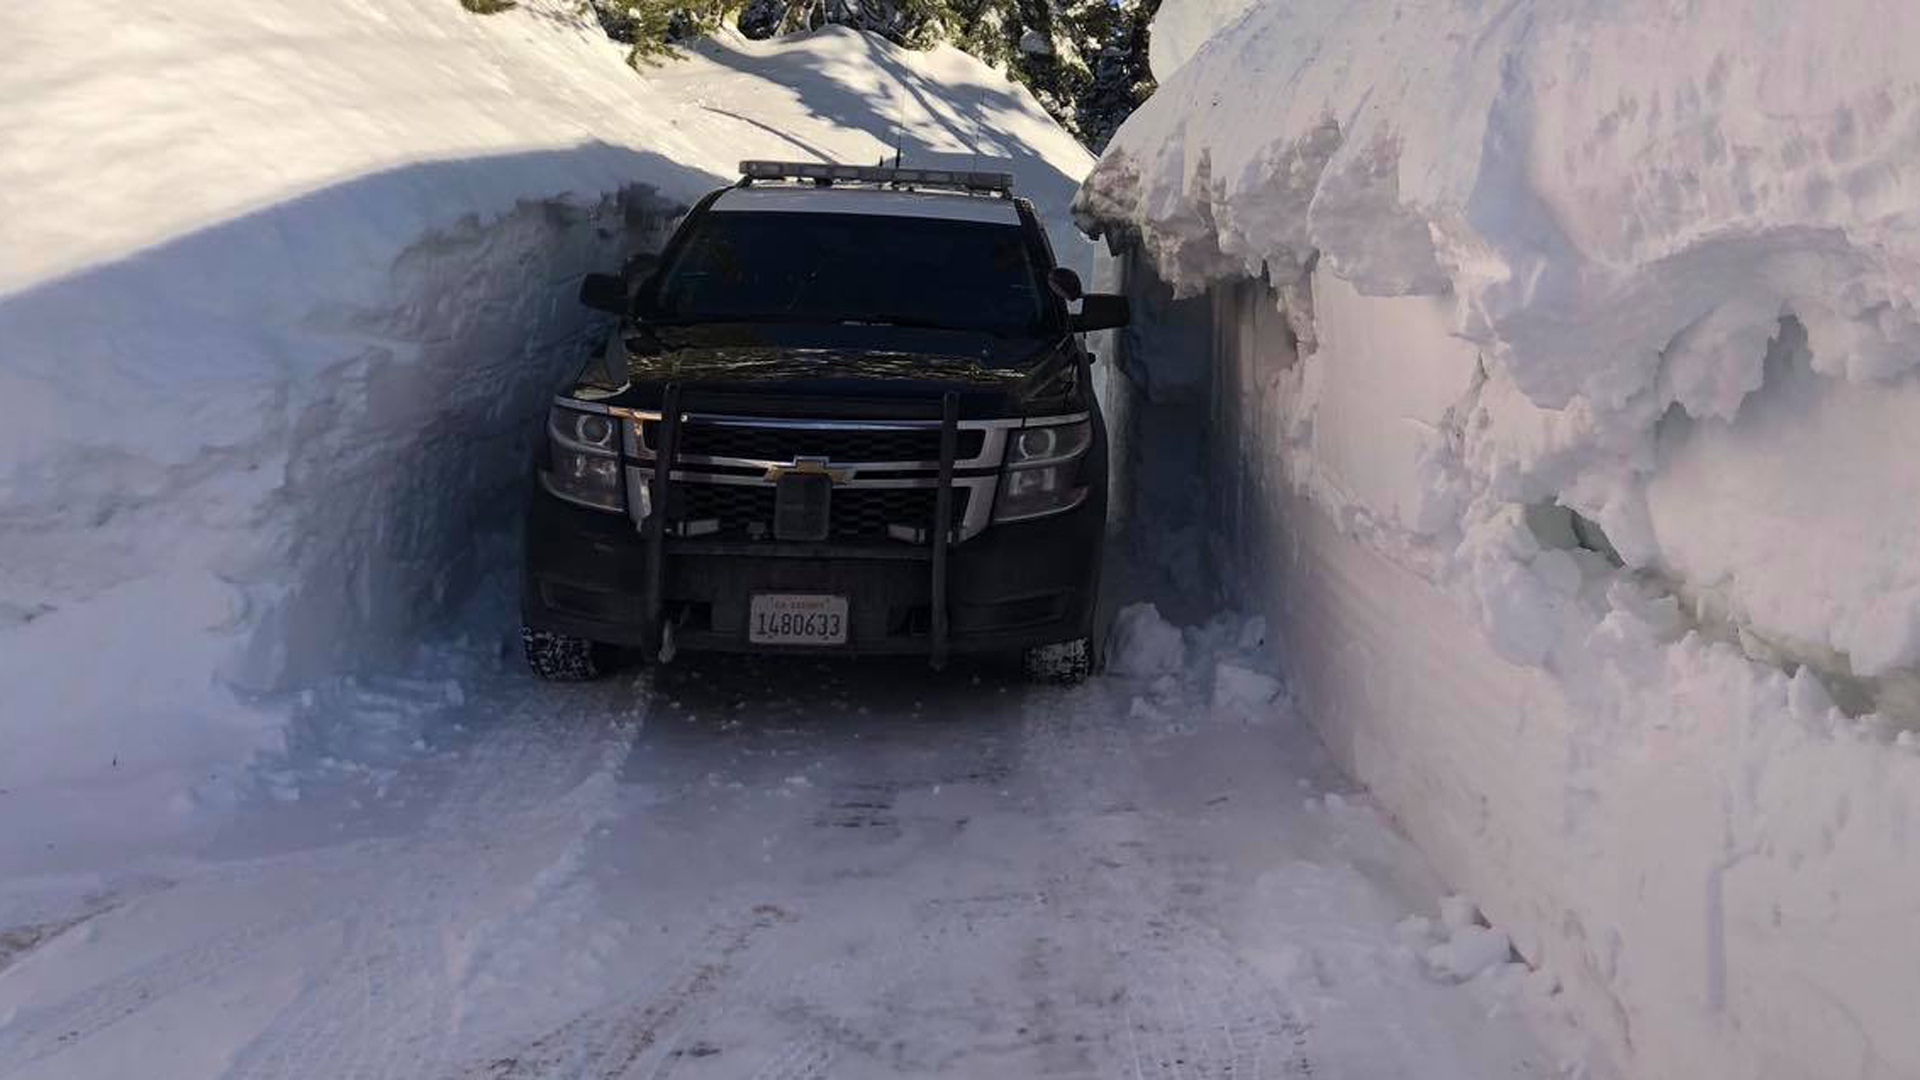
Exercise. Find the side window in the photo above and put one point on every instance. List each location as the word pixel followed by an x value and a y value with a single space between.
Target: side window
pixel 1056 307
pixel 1046 245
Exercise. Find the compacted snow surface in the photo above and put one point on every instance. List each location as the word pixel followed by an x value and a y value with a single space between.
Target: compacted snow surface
pixel 736 868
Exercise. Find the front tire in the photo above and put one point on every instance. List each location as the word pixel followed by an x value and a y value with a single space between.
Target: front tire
pixel 1064 663
pixel 562 657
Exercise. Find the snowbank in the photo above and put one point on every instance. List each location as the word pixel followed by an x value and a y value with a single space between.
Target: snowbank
pixel 1565 441
pixel 1180 27
pixel 281 288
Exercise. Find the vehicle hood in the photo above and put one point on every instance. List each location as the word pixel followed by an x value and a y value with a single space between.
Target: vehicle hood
pixel 838 370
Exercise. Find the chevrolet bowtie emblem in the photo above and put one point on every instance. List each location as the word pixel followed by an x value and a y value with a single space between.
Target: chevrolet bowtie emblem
pixel 809 466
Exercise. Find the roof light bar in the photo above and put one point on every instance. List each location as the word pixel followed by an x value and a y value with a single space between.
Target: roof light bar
pixel 998 183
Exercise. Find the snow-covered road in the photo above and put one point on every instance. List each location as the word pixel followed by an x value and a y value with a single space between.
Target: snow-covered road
pixel 734 868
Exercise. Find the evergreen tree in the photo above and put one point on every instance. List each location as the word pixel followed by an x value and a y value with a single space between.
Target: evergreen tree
pixel 1085 61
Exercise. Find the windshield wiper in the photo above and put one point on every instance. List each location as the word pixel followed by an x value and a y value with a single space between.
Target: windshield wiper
pixel 899 320
pixel 913 323
pixel 906 321
pixel 747 318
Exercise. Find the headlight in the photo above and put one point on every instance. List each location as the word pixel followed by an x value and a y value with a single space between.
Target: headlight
pixel 1043 463
pixel 1048 443
pixel 584 459
pixel 589 431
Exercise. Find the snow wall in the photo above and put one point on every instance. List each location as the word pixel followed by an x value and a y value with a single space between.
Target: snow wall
pixel 1560 401
pixel 283 287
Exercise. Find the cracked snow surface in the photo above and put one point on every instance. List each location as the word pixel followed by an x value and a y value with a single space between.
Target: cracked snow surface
pixel 746 868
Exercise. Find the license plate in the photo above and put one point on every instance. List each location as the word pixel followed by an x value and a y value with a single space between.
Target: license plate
pixel 796 619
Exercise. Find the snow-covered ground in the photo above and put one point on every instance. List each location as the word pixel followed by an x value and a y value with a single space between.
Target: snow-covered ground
pixel 1567 442
pixel 787 869
pixel 281 287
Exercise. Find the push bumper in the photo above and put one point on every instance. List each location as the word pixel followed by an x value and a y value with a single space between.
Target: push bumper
pixel 1011 587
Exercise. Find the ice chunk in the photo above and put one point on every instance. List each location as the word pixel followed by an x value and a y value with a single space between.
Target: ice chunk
pixel 1415 931
pixel 1469 951
pixel 1243 694
pixel 1142 709
pixel 1457 913
pixel 1144 644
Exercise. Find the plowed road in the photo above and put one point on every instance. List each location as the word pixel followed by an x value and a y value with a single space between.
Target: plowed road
pixel 752 869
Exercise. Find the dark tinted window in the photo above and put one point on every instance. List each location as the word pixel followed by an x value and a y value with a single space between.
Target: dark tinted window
pixel 806 267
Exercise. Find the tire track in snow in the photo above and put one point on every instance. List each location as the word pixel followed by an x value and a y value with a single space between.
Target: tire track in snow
pixel 386 1009
pixel 1091 967
pixel 382 1006
pixel 608 1043
pixel 1193 1009
pixel 1044 894
pixel 800 993
pixel 756 971
pixel 38 1032
pixel 1189 1006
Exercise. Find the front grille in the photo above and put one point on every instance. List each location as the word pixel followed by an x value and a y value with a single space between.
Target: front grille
pixel 849 445
pixel 855 514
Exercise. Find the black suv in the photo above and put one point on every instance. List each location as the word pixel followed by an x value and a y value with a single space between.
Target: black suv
pixel 878 429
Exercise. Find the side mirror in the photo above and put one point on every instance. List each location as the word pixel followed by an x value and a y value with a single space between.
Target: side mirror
pixel 604 292
pixel 1065 283
pixel 1102 311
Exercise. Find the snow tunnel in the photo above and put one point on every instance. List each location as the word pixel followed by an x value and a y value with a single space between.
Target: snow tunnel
pixel 1540 380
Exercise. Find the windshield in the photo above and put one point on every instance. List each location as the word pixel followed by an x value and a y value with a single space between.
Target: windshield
pixel 852 268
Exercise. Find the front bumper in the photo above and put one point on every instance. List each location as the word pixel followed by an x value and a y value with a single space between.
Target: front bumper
pixel 1012 586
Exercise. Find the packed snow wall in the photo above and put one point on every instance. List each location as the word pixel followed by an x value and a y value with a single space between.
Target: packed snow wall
pixel 1560 397
pixel 282 462
pixel 282 289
